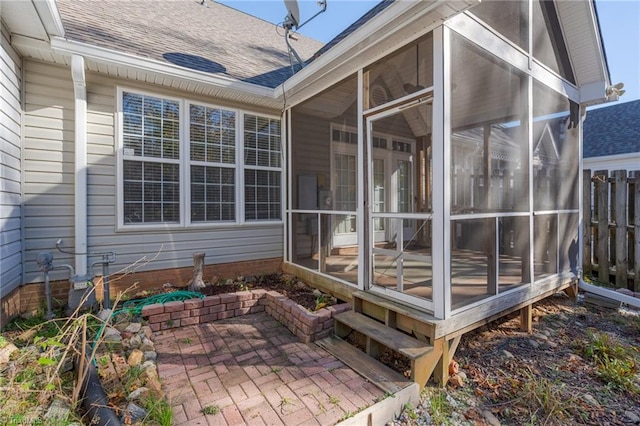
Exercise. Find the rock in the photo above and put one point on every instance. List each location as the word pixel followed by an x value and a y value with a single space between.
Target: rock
pixel 316 292
pixel 541 336
pixel 167 286
pixel 133 413
pixel 150 356
pixel 146 330
pixel 534 344
pixel 452 401
pixel 135 341
pixel 552 344
pixel 135 358
pixel 58 410
pixel 456 381
pixel 138 393
pixel 134 327
pixel 149 364
pixel 454 367
pixel 462 374
pixel 111 335
pixel 229 281
pixel 152 382
pixel 507 354
pixel 105 314
pixel 632 417
pixel 490 418
pixel 589 399
pixel 240 278
pixel 147 345
pixel 6 351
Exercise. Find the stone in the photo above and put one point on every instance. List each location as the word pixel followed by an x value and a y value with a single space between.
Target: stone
pixel 105 314
pixel 589 399
pixel 507 354
pixel 6 351
pixel 456 381
pixel 134 327
pixel 147 345
pixel 141 392
pixel 541 336
pixel 152 382
pixel 135 341
pixel 58 410
pixel 135 357
pixel 111 335
pixel 462 374
pixel 534 344
pixel 491 419
pixel 146 330
pixel 133 413
pixel 150 356
pixel 149 364
pixel 632 417
pixel 552 344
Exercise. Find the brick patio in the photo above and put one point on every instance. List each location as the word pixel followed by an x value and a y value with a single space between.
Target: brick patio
pixel 257 373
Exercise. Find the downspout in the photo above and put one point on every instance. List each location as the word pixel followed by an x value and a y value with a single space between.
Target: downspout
pixel 80 196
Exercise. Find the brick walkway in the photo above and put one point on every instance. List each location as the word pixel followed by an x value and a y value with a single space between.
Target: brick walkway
pixel 257 373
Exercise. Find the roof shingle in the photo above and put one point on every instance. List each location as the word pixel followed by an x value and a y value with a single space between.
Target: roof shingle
pixel 612 130
pixel 212 37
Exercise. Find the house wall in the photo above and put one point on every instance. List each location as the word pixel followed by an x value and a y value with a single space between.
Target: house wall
pixel 613 162
pixel 10 174
pixel 49 178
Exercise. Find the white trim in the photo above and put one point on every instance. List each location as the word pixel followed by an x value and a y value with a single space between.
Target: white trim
pixel 441 146
pixel 80 148
pixel 49 16
pixel 363 262
pixel 113 57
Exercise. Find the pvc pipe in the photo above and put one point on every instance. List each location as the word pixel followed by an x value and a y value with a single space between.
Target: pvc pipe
pixel 95 399
pixel 80 196
pixel 605 292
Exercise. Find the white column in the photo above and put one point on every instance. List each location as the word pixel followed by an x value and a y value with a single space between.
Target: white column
pixel 80 199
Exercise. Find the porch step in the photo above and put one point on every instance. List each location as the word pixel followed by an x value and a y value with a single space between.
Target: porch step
pixel 377 373
pixel 396 315
pixel 378 336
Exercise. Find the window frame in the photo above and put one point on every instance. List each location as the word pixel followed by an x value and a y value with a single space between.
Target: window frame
pixel 184 166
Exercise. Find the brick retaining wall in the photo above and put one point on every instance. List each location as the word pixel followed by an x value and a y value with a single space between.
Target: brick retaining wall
pixel 308 326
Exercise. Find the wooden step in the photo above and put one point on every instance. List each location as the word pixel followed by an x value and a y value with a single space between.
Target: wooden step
pixel 378 336
pixel 393 339
pixel 377 373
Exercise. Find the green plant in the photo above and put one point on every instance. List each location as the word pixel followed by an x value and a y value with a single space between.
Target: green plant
pixel 322 301
pixel 186 340
pixel 286 401
pixel 615 363
pixel 169 323
pixel 334 400
pixel 104 360
pixel 347 415
pixel 211 410
pixel 439 408
pixel 276 370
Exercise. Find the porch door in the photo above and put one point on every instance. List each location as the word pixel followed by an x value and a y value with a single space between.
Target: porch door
pixel 399 224
pixel 345 172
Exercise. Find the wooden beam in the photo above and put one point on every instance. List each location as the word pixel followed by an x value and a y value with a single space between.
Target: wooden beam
pixel 587 230
pixel 325 284
pixel 622 259
pixel 636 228
pixel 602 188
pixel 526 318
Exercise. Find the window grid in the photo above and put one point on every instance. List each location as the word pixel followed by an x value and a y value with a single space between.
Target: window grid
pixel 262 174
pixel 151 169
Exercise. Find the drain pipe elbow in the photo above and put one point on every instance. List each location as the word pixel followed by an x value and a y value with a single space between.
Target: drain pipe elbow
pixel 611 294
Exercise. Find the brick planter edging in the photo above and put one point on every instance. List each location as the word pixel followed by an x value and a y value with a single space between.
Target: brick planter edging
pixel 307 326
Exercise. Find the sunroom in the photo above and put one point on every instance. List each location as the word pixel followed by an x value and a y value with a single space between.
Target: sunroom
pixel 433 174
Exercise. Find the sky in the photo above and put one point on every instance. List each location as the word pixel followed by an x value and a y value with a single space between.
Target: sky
pixel 619 24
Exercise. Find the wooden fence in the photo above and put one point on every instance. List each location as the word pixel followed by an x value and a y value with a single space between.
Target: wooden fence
pixel 611 212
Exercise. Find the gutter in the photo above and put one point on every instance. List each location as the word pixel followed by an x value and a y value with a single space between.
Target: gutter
pixel 610 294
pixel 80 181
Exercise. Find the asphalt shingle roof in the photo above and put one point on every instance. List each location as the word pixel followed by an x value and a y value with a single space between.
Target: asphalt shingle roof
pixel 612 130
pixel 213 37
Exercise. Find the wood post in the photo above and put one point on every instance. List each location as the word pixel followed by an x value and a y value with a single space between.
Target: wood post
pixel 602 248
pixel 526 318
pixel 587 231
pixel 636 232
pixel 198 267
pixel 622 262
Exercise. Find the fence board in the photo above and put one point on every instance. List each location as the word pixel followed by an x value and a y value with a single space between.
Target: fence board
pixel 602 243
pixel 587 229
pixel 621 260
pixel 636 233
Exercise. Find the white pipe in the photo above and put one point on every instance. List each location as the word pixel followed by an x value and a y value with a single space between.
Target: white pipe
pixel 611 294
pixel 80 200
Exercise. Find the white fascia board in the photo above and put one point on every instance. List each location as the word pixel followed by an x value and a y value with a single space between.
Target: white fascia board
pixel 594 93
pixel 112 57
pixel 596 31
pixel 50 17
pixel 630 156
pixel 362 39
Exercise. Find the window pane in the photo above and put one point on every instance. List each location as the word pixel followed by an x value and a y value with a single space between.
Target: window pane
pixel 404 72
pixel 211 129
pixel 262 141
pixel 509 18
pixel 212 194
pixel 151 192
pixel 489 142
pixel 264 195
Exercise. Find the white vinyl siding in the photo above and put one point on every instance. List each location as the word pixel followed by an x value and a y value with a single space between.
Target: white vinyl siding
pixel 10 168
pixel 49 177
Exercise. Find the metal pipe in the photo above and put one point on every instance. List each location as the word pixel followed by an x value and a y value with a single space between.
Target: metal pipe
pixel 106 298
pixel 605 292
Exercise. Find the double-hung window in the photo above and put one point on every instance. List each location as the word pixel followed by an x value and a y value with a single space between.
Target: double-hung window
pixel 186 163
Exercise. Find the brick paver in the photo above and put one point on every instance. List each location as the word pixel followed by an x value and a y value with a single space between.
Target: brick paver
pixel 256 373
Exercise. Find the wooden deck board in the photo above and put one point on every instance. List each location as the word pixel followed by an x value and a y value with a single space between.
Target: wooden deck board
pixel 377 373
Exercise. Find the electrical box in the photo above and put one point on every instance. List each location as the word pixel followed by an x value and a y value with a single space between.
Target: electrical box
pixel 325 200
pixel 307 192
